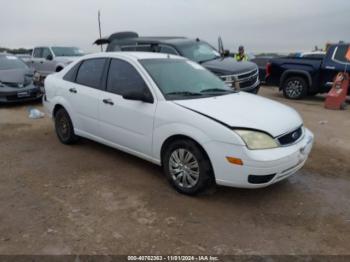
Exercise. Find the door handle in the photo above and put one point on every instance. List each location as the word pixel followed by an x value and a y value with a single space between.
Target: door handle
pixel 73 90
pixel 108 101
pixel 330 67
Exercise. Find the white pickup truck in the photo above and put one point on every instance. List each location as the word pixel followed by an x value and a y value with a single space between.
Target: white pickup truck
pixel 49 59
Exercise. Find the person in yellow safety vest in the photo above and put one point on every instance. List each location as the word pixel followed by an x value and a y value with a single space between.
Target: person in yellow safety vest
pixel 241 56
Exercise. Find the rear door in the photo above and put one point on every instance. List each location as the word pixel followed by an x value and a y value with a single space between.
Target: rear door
pixel 84 95
pixel 126 123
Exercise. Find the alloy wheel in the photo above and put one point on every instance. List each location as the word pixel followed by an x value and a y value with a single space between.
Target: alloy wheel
pixel 294 89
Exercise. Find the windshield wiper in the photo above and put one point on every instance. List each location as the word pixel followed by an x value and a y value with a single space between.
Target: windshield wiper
pixel 217 90
pixel 207 60
pixel 184 93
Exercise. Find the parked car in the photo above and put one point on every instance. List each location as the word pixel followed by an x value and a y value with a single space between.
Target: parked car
pixel 16 81
pixel 227 68
pixel 173 112
pixel 299 76
pixel 49 59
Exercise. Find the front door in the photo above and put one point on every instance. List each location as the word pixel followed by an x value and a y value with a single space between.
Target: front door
pixel 127 123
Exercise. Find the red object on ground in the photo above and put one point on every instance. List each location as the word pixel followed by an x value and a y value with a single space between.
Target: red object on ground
pixel 336 97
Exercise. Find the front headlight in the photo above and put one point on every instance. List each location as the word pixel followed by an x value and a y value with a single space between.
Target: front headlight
pixel 257 140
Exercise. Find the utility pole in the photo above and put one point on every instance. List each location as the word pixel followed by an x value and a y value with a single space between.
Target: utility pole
pixel 99 27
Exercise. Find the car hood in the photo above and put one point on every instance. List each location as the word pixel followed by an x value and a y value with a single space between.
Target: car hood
pixel 229 65
pixel 16 76
pixel 243 110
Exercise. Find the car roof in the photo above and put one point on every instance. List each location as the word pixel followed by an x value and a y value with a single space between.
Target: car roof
pixel 133 55
pixel 174 41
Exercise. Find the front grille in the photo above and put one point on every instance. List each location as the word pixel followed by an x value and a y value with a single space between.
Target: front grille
pixel 245 80
pixel 291 137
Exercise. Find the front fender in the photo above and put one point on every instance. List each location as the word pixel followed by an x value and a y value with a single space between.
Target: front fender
pixel 162 133
pixel 295 72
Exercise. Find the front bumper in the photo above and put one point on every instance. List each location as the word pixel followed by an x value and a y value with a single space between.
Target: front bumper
pixel 29 93
pixel 260 168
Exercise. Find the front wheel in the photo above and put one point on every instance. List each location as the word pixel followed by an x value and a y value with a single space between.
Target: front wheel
pixel 187 167
pixel 295 88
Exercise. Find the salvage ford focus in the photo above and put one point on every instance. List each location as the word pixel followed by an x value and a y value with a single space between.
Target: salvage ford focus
pixel 173 112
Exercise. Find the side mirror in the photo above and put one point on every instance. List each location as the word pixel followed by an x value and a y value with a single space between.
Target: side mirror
pixel 226 53
pixel 144 96
pixel 49 57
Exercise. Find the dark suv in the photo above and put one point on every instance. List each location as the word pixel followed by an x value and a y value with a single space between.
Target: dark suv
pixel 244 74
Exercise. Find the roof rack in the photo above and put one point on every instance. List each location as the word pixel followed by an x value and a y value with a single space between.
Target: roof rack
pixel 116 36
pixel 130 34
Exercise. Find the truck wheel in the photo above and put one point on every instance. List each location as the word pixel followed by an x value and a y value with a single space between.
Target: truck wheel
pixel 295 87
pixel 187 167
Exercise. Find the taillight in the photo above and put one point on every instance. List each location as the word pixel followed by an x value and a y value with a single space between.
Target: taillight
pixel 268 70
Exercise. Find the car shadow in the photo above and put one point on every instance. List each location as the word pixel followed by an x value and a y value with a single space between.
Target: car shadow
pixel 24 103
pixel 214 194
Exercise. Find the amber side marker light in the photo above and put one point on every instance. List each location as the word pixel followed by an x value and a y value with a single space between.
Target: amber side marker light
pixel 234 160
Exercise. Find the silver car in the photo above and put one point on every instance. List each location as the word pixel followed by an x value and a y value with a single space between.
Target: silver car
pixel 16 81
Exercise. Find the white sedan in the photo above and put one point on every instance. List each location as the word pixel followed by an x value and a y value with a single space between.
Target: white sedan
pixel 174 113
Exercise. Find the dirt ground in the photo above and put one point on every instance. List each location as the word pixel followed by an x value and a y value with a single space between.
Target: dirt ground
pixel 91 199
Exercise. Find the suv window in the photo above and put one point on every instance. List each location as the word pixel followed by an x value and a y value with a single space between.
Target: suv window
pixel 167 50
pixel 46 52
pixel 143 48
pixel 341 53
pixel 128 48
pixel 38 52
pixel 90 72
pixel 123 77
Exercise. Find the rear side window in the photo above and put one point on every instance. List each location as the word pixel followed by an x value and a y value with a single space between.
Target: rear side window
pixel 72 73
pixel 128 48
pixel 123 77
pixel 343 51
pixel 90 72
pixel 143 48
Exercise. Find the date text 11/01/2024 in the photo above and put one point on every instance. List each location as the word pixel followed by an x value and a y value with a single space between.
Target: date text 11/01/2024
pixel 172 258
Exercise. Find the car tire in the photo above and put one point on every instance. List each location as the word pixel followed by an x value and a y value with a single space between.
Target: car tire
pixel 64 127
pixel 295 88
pixel 187 167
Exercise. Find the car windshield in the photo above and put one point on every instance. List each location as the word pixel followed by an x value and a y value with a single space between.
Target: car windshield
pixel 199 52
pixel 8 62
pixel 180 79
pixel 67 51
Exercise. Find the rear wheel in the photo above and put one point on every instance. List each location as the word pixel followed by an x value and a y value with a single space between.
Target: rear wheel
pixel 295 87
pixel 187 167
pixel 64 127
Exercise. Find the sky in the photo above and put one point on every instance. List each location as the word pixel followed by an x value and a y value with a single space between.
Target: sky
pixel 259 25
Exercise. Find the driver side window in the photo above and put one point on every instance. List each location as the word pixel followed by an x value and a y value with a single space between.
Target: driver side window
pixel 124 78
